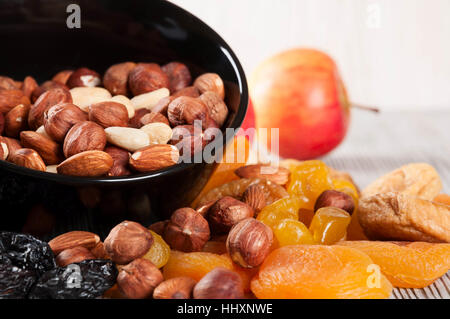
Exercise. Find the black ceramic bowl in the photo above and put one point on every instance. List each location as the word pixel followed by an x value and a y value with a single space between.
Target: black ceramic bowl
pixel 37 41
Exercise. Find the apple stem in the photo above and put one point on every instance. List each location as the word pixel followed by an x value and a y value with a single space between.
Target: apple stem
pixel 365 107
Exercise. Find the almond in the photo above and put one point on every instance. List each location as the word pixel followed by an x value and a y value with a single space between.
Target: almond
pixel 147 77
pixel 73 255
pixel 163 105
pixel 47 149
pixel 51 169
pixel 6 83
pixel 48 99
pixel 83 97
pixel 73 239
pixel 109 114
pixel 16 120
pixel 255 197
pixel 28 86
pixel 150 99
pixel 128 138
pixel 28 158
pixel 210 82
pixel 115 79
pixel 158 133
pixel 11 98
pixel 84 136
pixel 154 157
pixel 278 175
pixel 60 118
pixel 89 163
pixel 41 130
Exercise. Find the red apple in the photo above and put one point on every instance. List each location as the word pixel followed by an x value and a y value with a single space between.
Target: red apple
pixel 301 92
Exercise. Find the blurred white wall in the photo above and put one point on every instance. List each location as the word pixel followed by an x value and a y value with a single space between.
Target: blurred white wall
pixel 394 54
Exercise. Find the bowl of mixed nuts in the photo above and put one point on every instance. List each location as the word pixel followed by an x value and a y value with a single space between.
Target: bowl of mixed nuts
pixel 105 120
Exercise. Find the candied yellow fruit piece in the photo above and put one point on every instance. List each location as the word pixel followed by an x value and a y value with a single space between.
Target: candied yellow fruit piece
pixel 329 225
pixel 159 253
pixel 285 208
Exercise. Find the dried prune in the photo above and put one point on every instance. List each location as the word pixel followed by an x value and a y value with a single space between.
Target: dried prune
pixel 23 259
pixel 84 280
pixel 26 252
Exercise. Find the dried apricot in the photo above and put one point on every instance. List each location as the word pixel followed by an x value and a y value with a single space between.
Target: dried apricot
pixel 292 232
pixel 317 271
pixel 407 265
pixel 285 208
pixel 443 199
pixel 309 179
pixel 237 188
pixel 329 225
pixel 159 253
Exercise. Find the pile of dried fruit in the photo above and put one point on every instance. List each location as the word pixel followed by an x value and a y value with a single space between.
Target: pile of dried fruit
pixel 139 121
pixel 297 231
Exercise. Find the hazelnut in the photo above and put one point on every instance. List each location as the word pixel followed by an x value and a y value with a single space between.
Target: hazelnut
pixel 163 105
pixel 186 230
pixel 135 121
pixel 210 82
pixel 175 288
pixel 115 79
pixel 45 101
pixel 218 110
pixel 147 77
pixel 219 283
pixel 109 114
pixel 128 241
pixel 47 149
pixel 255 197
pixel 179 76
pixel 83 77
pixel 60 118
pixel 186 110
pixel 154 117
pixel 333 198
pixel 73 255
pixel 9 99
pixel 28 86
pixel 275 174
pixel 84 136
pixel 44 87
pixel 28 158
pixel 227 212
pixel 159 227
pixel 204 209
pixel 138 279
pixel 16 120
pixel 62 76
pixel 121 158
pixel 191 91
pixel 249 242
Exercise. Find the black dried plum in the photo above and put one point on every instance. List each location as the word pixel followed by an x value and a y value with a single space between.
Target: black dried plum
pixel 84 280
pixel 26 252
pixel 15 283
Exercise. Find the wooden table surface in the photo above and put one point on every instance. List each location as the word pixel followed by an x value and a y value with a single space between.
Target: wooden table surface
pixel 379 143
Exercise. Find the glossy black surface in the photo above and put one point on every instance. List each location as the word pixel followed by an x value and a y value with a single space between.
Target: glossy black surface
pixel 36 41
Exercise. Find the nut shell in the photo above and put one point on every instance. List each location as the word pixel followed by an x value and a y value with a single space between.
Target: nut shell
pixel 249 242
pixel 128 241
pixel 147 77
pixel 187 230
pixel 84 136
pixel 138 279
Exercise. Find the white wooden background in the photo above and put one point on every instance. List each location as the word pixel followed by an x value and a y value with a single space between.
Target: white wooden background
pixel 392 53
